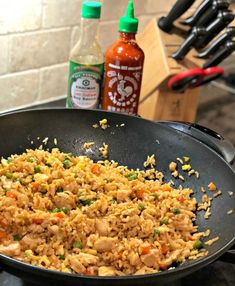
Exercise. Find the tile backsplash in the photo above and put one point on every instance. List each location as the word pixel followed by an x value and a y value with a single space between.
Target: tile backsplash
pixel 35 40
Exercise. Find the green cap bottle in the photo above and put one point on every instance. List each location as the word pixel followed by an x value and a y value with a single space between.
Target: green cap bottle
pixel 91 10
pixel 128 23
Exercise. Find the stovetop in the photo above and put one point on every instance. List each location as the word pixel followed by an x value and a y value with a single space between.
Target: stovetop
pixel 217 274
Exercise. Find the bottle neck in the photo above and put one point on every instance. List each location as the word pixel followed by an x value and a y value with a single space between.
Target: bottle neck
pixel 89 30
pixel 127 36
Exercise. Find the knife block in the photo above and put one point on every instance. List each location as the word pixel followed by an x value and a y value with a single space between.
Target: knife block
pixel 157 101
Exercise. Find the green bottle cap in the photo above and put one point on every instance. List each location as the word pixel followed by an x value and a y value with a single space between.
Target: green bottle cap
pixel 91 10
pixel 129 23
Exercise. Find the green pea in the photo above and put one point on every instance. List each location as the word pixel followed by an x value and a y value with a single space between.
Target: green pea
pixel 156 232
pixel 198 244
pixel 30 160
pixel 61 257
pixel 37 169
pixel 59 190
pixel 141 206
pixel 17 237
pixel 9 175
pixel 164 221
pixel 78 244
pixel 176 211
pixel 154 195
pixel 64 210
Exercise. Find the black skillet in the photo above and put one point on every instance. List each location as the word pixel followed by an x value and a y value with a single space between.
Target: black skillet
pixel 130 140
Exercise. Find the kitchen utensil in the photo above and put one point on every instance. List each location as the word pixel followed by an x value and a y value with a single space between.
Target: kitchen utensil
pixel 194 78
pixel 218 43
pixel 129 144
pixel 202 8
pixel 222 54
pixel 211 13
pixel 190 41
pixel 223 19
pixel 180 7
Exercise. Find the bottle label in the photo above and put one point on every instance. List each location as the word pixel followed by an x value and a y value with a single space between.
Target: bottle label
pixel 123 88
pixel 84 85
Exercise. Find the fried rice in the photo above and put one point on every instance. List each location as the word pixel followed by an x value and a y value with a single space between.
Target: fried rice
pixel 73 215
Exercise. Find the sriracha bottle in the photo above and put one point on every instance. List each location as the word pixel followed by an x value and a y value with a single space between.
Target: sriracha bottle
pixel 124 62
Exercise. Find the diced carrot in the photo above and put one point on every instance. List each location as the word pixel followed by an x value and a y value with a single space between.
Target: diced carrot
pixel 120 253
pixel 88 272
pixel 165 248
pixel 166 188
pixel 34 186
pixel 153 191
pixel 181 199
pixel 95 169
pixel 139 194
pixel 212 187
pixel 59 215
pixel 145 250
pixel 3 234
pixel 11 194
pixel 37 220
pixel 55 220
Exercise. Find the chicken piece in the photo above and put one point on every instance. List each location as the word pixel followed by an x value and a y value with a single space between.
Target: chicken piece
pixel 30 242
pixel 103 244
pixel 76 265
pixel 123 195
pixel 102 226
pixel 54 229
pixel 87 259
pixel 63 200
pixel 151 259
pixel 106 271
pixel 12 249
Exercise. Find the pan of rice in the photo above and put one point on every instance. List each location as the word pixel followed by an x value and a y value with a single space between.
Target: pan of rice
pixel 94 198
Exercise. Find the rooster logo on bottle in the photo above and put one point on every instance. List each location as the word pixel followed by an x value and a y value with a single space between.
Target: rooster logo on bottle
pixel 124 87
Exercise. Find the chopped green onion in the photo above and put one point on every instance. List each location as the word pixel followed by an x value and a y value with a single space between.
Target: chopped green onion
pixel 132 176
pixel 176 211
pixel 37 169
pixel 164 221
pixel 154 195
pixel 78 244
pixel 17 237
pixel 106 180
pixel 198 244
pixel 59 190
pixel 30 160
pixel 87 202
pixel 61 257
pixel 141 206
pixel 156 232
pixel 9 175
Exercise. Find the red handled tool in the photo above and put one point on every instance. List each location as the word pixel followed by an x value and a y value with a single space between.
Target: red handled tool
pixel 194 78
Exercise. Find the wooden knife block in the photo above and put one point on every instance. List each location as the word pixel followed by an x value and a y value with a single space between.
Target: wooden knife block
pixel 157 101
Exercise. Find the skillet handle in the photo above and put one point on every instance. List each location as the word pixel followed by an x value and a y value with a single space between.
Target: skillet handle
pixel 207 136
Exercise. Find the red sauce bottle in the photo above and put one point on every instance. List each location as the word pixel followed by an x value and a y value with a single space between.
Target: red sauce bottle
pixel 123 68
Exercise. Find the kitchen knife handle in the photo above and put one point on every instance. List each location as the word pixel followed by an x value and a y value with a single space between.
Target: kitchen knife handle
pixel 211 13
pixel 180 7
pixel 188 43
pixel 221 55
pixel 202 8
pixel 218 43
pixel 223 19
